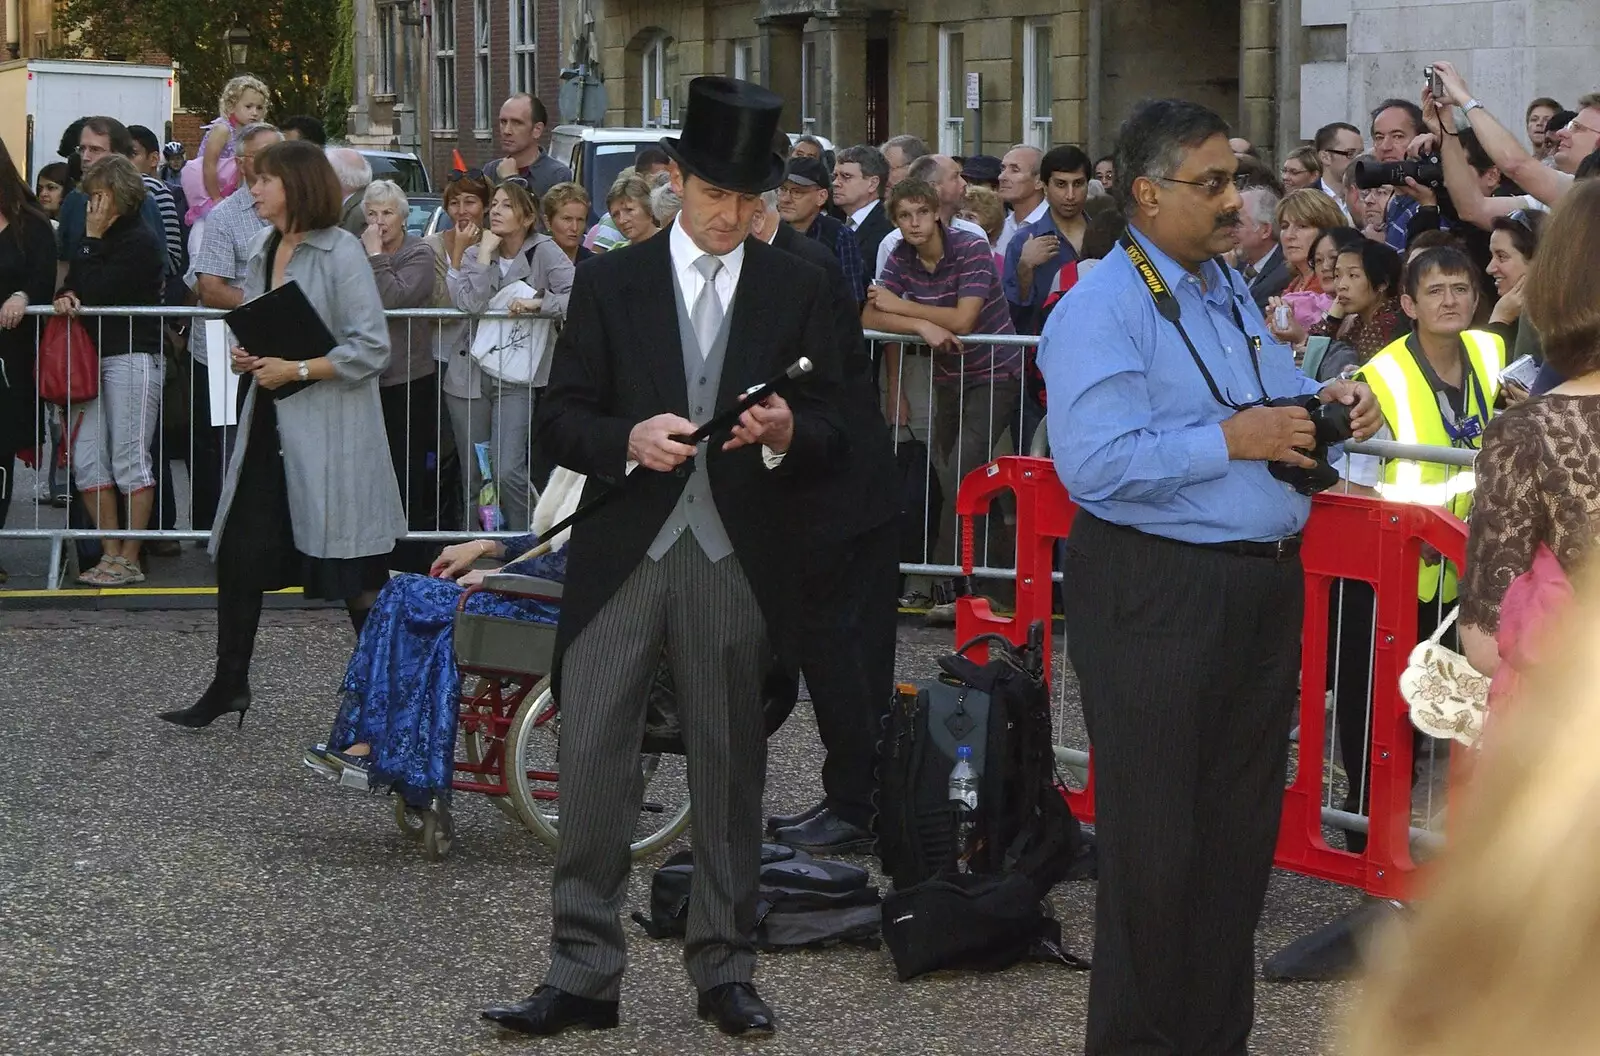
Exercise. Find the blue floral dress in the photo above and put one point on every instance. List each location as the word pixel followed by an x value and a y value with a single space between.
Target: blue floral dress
pixel 401 689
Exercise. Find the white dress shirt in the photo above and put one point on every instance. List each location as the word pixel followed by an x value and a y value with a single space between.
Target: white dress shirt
pixel 894 238
pixel 1338 199
pixel 1013 225
pixel 859 217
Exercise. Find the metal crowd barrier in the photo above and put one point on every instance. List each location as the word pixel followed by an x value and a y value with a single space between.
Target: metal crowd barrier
pixel 1349 539
pixel 437 512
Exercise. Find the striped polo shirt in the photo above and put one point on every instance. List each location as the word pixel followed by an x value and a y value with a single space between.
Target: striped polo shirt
pixel 965 270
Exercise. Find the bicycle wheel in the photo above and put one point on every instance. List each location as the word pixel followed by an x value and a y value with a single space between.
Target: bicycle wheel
pixel 534 773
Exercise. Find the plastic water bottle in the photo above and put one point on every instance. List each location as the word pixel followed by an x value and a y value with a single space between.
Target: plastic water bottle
pixel 964 795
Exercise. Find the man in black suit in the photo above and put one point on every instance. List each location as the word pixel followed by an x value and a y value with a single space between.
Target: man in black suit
pixel 692 559
pixel 1260 258
pixel 859 180
pixel 850 571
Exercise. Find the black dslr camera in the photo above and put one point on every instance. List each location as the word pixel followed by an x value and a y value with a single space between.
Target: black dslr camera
pixel 1427 171
pixel 1332 422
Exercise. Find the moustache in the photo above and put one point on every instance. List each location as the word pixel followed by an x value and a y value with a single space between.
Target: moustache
pixel 1228 219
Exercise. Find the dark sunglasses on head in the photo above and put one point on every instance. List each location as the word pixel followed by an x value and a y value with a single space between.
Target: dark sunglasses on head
pixel 520 181
pixel 475 175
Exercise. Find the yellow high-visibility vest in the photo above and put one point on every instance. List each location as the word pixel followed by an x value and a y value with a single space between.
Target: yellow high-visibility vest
pixel 1411 409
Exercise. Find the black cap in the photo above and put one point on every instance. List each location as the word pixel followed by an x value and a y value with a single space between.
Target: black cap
pixel 808 172
pixel 1558 120
pixel 981 168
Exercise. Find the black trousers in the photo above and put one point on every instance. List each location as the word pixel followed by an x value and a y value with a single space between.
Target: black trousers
pixel 411 414
pixel 1186 659
pixel 1350 643
pixel 849 623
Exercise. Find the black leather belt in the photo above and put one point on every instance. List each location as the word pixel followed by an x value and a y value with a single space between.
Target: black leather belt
pixel 1281 550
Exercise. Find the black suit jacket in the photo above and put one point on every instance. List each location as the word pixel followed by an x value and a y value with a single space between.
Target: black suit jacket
pixel 619 361
pixel 870 235
pixel 865 490
pixel 1271 281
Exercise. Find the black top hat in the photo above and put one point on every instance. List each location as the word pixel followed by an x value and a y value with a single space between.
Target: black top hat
pixel 728 131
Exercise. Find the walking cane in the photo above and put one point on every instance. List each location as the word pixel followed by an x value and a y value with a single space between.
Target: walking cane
pixel 724 420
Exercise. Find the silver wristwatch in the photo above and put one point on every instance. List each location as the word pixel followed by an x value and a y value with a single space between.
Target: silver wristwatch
pixel 304 371
pixel 1471 105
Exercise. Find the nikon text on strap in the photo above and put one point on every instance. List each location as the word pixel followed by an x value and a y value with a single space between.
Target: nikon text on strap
pixel 1172 312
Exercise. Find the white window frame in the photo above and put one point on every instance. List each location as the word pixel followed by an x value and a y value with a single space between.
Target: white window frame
pixel 388 34
pixel 808 87
pixel 444 65
pixel 653 82
pixel 1037 121
pixel 744 60
pixel 482 105
pixel 524 33
pixel 952 96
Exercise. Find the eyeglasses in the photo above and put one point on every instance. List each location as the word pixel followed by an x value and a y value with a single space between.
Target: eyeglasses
pixel 1213 185
pixel 475 175
pixel 1579 126
pixel 1342 153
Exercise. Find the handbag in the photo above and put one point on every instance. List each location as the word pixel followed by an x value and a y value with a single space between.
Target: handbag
pixel 1534 601
pixel 515 350
pixel 1448 698
pixel 69 364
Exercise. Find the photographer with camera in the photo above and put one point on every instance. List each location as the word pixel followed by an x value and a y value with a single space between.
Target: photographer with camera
pixel 1575 141
pixel 1396 124
pixel 1184 611
pixel 1437 387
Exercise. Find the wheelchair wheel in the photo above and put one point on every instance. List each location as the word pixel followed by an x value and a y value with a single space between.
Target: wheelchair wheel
pixel 438 831
pixel 411 821
pixel 533 776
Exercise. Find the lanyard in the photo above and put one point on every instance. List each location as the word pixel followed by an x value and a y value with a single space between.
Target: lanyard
pixel 1171 311
pixel 1466 430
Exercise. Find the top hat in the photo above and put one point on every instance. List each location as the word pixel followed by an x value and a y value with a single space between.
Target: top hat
pixel 727 137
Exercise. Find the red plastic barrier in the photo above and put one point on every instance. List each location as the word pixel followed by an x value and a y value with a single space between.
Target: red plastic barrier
pixel 1347 537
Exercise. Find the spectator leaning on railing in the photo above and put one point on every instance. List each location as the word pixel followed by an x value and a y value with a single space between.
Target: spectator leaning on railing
pixel 119 261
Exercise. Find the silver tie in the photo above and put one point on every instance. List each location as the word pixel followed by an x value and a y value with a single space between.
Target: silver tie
pixel 707 314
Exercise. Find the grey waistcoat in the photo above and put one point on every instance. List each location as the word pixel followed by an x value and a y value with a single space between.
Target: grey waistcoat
pixel 696 510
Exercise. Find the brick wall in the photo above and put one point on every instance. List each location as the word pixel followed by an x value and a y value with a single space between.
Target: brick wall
pixel 475 150
pixel 188 128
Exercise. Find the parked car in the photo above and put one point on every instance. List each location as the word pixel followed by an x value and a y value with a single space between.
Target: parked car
pixel 405 169
pixel 597 155
pixel 426 209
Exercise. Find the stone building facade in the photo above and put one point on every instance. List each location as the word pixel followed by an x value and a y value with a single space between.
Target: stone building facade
pixel 1058 71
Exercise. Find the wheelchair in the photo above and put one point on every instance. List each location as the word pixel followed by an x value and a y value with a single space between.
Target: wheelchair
pixel 509 731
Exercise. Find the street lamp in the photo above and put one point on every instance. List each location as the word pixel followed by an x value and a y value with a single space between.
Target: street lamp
pixel 239 46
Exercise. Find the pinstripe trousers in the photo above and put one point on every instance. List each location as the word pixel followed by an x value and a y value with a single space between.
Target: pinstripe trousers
pixel 1186 658
pixel 706 618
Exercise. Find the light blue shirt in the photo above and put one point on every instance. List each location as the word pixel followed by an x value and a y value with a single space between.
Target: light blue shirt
pixel 1134 430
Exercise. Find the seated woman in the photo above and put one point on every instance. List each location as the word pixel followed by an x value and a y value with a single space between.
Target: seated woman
pixel 396 725
pixel 1365 315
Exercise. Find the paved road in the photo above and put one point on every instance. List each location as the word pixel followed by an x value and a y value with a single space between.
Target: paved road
pixel 175 893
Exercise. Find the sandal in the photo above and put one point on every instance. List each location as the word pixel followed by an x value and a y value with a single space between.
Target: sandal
pixel 131 572
pixel 105 574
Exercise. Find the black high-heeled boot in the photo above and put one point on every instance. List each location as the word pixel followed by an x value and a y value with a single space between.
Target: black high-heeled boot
pixel 220 698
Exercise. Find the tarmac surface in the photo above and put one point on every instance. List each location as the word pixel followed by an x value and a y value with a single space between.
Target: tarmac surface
pixel 163 891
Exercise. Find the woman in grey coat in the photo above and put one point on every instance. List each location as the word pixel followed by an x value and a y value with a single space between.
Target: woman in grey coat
pixel 483 408
pixel 310 498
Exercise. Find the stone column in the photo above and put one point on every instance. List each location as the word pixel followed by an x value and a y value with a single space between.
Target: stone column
pixel 780 63
pixel 843 47
pixel 1258 72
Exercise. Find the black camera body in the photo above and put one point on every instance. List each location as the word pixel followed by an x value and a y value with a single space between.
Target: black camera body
pixel 1332 422
pixel 1427 171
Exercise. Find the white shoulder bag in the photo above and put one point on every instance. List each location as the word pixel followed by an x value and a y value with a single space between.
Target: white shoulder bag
pixel 1448 698
pixel 515 350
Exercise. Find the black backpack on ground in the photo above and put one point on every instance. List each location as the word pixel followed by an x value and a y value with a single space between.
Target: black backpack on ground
pixel 1025 838
pixel 805 902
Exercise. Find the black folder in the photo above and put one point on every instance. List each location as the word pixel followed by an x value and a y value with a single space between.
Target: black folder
pixel 281 324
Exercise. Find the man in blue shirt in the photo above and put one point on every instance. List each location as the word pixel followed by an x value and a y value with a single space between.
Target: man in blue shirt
pixel 1184 589
pixel 1042 248
pixel 99 137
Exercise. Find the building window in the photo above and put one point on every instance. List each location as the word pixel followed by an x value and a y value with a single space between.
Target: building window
pixel 744 60
pixel 524 44
pixel 808 86
pixel 1037 92
pixel 483 110
pixel 444 65
pixel 655 106
pixel 386 49
pixel 952 91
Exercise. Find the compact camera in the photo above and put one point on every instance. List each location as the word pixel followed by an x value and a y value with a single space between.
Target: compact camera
pixel 1332 422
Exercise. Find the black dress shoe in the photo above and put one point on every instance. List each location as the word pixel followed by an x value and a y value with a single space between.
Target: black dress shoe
pixel 826 833
pixel 550 1011
pixel 737 1008
pixel 789 821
